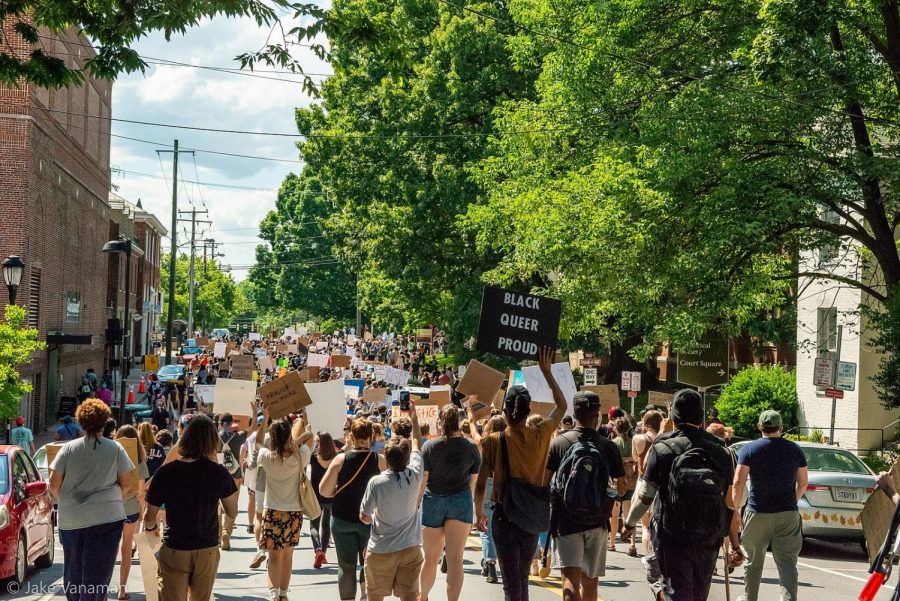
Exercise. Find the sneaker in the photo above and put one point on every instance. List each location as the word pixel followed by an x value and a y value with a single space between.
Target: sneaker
pixel 226 542
pixel 320 559
pixel 484 569
pixel 250 529
pixel 491 572
pixel 258 559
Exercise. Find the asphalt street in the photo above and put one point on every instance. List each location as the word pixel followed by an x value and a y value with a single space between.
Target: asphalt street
pixel 828 571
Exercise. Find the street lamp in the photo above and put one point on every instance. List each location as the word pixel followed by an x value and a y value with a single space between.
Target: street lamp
pixel 13 268
pixel 123 246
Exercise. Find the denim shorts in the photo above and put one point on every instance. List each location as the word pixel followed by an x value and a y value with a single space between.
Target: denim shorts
pixel 131 519
pixel 437 509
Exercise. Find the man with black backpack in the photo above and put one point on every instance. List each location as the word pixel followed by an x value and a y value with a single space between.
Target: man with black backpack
pixel 688 479
pixel 581 463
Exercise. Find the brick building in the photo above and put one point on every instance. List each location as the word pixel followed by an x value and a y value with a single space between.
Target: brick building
pixel 54 213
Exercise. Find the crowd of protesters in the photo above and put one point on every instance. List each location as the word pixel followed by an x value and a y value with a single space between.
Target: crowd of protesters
pixel 396 503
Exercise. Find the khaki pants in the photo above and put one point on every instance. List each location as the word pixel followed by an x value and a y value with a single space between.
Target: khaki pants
pixel 183 572
pixel 781 531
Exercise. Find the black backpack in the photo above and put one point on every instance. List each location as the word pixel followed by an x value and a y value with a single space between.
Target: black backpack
pixel 578 487
pixel 695 512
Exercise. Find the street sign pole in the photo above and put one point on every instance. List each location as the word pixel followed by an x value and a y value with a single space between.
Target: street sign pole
pixel 840 335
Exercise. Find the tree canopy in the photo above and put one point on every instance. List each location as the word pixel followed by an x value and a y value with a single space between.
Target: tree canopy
pixel 216 296
pixel 17 345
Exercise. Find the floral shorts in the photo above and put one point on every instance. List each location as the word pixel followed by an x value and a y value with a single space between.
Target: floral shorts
pixel 281 529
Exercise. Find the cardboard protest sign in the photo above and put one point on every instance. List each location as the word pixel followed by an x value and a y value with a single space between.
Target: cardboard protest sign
pixel 375 395
pixel 205 393
pixel 439 395
pixel 609 396
pixel 367 336
pixel 481 381
pixel 284 395
pixel 53 449
pixel 151 363
pixel 539 388
pixel 340 361
pixel 265 364
pixel 423 335
pixel 479 410
pixel 360 384
pixel 242 367
pixel 220 350
pixel 130 446
pixel 281 349
pixel 351 340
pixel 313 373
pixel 317 360
pixel 427 414
pixel 875 517
pixel 232 346
pixel 259 353
pixel 237 397
pixel 254 336
pixel 290 333
pixel 201 341
pixel 328 411
pixel 293 348
pixel 659 399
pixel 542 409
pixel 304 341
pixel 517 325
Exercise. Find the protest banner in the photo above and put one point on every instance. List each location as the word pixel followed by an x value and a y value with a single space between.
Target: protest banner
pixel 220 350
pixel 321 345
pixel 367 336
pixel 317 360
pixel 242 367
pixel 659 399
pixel 481 381
pixel 265 364
pixel 428 414
pixel 479 410
pixel 290 333
pixel 609 396
pixel 205 393
pixel 340 361
pixel 360 384
pixel 232 346
pixel 314 373
pixel 281 349
pixel 201 341
pixel 237 397
pixel 517 325
pixel 284 395
pixel 259 353
pixel 439 395
pixel 375 395
pixel 539 388
pixel 254 336
pixel 351 340
pixel 131 449
pixel 328 411
pixel 293 348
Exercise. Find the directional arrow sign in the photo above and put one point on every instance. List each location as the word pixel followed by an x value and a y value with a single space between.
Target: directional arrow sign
pixel 704 364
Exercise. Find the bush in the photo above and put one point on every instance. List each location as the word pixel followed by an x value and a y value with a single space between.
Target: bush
pixel 754 390
pixel 878 463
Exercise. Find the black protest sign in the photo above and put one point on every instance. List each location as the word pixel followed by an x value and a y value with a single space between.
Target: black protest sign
pixel 515 324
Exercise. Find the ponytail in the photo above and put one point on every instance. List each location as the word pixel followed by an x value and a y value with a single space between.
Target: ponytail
pixel 449 417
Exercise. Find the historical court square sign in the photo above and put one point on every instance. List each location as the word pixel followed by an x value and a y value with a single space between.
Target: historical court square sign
pixel 515 324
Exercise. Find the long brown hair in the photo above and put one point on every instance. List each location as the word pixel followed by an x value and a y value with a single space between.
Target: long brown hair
pixel 145 430
pixel 280 439
pixel 326 450
pixel 449 419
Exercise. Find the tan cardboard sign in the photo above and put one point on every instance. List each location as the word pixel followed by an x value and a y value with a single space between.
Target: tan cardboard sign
pixel 439 395
pixel 660 399
pixel 284 395
pixel 341 361
pixel 479 409
pixel 242 367
pixel 375 395
pixel 481 381
pixel 609 396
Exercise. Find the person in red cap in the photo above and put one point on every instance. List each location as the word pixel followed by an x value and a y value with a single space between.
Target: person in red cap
pixel 22 436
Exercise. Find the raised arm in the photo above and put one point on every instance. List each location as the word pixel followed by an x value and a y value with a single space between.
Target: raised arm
pixel 545 361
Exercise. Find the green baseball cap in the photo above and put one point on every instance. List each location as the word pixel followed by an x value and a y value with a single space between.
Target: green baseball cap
pixel 770 419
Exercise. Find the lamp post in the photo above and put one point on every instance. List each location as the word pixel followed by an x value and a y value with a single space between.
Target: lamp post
pixel 123 246
pixel 13 268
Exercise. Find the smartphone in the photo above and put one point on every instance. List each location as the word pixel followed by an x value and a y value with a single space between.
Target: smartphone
pixel 404 400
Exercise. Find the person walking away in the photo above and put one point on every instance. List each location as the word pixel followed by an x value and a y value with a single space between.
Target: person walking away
pixel 250 472
pixel 284 462
pixel 133 500
pixel 581 463
pixel 345 484
pixel 623 442
pixel 391 505
pixel 651 421
pixel 778 477
pixel 67 430
pixel 516 459
pixel 320 528
pixel 159 417
pixel 191 488
pixel 259 498
pixel 688 480
pixel 231 448
pixel 104 393
pixel 451 468
pixel 22 436
pixel 488 550
pixel 87 479
pixel 84 390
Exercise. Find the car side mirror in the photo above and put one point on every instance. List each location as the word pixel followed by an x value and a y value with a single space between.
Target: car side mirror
pixel 33 489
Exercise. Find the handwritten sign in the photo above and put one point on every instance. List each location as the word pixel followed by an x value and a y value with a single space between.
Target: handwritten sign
pixel 284 395
pixel 317 360
pixel 341 361
pixel 517 325
pixel 481 381
pixel 242 367
pixel 427 415
pixel 375 395
pixel 220 349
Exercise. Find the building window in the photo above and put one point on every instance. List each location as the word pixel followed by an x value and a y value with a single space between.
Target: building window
pixel 828 252
pixel 34 298
pixel 826 333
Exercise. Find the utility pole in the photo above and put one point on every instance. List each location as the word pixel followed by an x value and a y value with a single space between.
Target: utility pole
pixel 170 320
pixel 191 283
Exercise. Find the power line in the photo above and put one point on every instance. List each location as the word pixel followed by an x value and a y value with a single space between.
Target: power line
pixel 219 152
pixel 235 187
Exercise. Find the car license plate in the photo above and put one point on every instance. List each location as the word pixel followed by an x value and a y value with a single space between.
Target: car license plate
pixel 852 495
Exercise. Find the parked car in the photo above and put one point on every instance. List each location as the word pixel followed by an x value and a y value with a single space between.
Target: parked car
pixel 839 485
pixel 172 374
pixel 27 517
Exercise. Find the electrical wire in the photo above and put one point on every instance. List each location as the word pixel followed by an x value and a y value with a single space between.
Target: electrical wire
pixel 217 152
pixel 182 181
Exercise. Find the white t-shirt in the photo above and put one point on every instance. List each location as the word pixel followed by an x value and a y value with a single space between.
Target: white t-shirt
pixel 283 478
pixel 392 499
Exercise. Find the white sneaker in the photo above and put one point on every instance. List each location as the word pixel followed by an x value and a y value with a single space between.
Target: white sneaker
pixel 258 559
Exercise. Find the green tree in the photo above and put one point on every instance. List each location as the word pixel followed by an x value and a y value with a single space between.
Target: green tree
pixel 754 390
pixel 681 158
pixel 216 297
pixel 17 345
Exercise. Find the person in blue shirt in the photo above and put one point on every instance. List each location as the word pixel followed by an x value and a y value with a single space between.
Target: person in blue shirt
pixel 22 436
pixel 778 477
pixel 68 430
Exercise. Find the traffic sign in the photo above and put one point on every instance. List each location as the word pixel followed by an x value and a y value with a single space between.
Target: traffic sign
pixel 845 377
pixel 632 393
pixel 631 380
pixel 834 393
pixel 703 365
pixel 590 376
pixel 823 374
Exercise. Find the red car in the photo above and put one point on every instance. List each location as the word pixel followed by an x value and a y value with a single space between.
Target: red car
pixel 26 515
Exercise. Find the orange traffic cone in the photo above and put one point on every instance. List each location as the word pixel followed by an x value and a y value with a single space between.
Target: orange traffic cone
pixel 141 388
pixel 131 394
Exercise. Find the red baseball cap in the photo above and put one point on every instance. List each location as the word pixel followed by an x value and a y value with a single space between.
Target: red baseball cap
pixel 20 421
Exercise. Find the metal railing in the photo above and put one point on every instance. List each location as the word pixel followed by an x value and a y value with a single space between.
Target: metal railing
pixel 881 447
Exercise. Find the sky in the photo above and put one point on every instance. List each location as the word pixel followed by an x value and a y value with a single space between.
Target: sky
pixel 237 192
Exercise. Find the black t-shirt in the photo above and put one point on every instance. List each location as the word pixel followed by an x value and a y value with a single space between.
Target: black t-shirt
pixel 160 417
pixel 155 458
pixel 191 492
pixel 610 451
pixel 660 459
pixel 450 462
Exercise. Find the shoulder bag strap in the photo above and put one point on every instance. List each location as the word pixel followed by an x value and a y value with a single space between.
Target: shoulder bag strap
pixel 504 454
pixel 346 484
